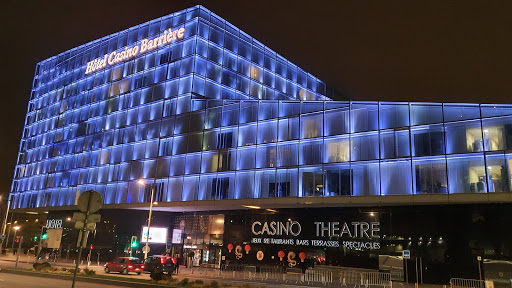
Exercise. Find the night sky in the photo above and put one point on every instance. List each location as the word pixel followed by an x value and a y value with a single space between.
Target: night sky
pixel 451 51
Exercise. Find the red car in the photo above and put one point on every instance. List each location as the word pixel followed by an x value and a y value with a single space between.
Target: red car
pixel 125 265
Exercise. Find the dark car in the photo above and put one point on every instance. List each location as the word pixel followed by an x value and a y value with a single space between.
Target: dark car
pixel 125 265
pixel 160 264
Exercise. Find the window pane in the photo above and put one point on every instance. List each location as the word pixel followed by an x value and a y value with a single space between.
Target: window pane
pixel 466 174
pixel 430 176
pixel 463 137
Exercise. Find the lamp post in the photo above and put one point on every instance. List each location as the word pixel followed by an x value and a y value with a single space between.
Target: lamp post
pixel 16 228
pixel 141 181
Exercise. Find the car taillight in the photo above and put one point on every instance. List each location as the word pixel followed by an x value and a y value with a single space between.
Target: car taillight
pixel 142 266
pixel 173 260
pixel 130 266
pixel 162 260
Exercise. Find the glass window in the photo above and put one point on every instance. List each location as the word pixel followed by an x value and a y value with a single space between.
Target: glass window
pixel 247 135
pixel 491 110
pixel 286 182
pixel 426 113
pixel 394 144
pixel 267 132
pixel 265 184
pixel 463 137
pixel 177 165
pixel 466 174
pixel 364 146
pixel 311 152
pixel 227 160
pixel 430 176
pixel 312 181
pixel 396 177
pixel 364 117
pixel 193 163
pixel 365 179
pixel 456 112
pixel 337 180
pixel 427 140
pixel 336 122
pixel 393 115
pixel 210 162
pixel 337 149
pixel 288 129
pixel 245 185
pixel 311 125
pixel 266 156
pixel 499 173
pixel 498 134
pixel 174 189
pixel 246 158
pixel 190 188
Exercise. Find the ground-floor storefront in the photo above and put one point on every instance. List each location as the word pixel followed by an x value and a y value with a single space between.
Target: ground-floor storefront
pixel 444 240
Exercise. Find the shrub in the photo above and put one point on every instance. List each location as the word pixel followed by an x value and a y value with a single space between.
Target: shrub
pixel 157 276
pixel 183 282
pixel 199 281
pixel 214 284
pixel 89 272
pixel 45 265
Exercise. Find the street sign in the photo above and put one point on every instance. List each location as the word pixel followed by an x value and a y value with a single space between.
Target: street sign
pixel 144 249
pixel 79 225
pixel 89 201
pixel 78 216
pixel 91 226
pixel 406 254
pixel 94 218
pixel 479 258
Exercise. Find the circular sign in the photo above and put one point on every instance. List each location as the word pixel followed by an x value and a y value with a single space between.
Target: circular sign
pixel 144 249
pixel 89 201
pixel 260 255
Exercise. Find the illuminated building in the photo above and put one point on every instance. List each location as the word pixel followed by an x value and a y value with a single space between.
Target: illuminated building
pixel 218 122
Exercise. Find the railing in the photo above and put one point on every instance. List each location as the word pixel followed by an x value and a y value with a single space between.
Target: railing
pixel 315 276
pixel 312 277
pixel 379 279
pixel 466 283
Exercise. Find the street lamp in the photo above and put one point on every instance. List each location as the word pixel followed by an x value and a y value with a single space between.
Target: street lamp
pixel 141 182
pixel 16 228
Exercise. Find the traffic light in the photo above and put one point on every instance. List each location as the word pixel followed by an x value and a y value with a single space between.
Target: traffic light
pixel 133 242
pixel 35 238
pixel 44 236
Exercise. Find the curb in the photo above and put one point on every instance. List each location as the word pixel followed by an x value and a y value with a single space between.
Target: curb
pixel 84 279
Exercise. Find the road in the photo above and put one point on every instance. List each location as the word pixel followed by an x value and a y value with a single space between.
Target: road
pixel 8 280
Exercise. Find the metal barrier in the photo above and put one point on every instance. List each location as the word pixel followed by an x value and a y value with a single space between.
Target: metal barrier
pixel 293 275
pixel 318 276
pixel 376 279
pixel 249 272
pixel 350 278
pixel 466 283
pixel 271 273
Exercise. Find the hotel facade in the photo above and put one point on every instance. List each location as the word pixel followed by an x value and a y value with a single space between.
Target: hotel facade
pixel 248 153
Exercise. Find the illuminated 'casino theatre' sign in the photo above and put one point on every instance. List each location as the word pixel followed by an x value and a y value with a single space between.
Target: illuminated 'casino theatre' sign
pixel 145 45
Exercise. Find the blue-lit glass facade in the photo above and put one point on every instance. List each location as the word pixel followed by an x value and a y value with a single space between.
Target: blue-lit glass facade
pixel 218 115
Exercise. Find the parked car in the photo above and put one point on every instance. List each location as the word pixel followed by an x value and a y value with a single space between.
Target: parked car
pixel 160 264
pixel 125 265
